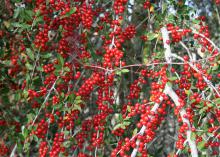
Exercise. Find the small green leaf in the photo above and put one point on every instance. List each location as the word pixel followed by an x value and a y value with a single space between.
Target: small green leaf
pixel 24 131
pixel 30 117
pixel 78 98
pixel 201 145
pixel 126 123
pixel 187 92
pixel 67 144
pixel 193 136
pixel 173 78
pixel 215 67
pixel 135 132
pixel 47 55
pixel 117 126
pixel 77 107
pixel 217 101
pixel 66 69
pixel 129 109
pixel 124 70
pixel 30 53
pixel 40 68
pixel 203 110
pixel 20 25
pixel 196 21
pixel 151 36
pixel 61 60
pixel 29 66
pixel 16 12
pixel 210 105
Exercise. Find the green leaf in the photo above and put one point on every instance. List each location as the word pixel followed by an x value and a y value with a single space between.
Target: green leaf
pixel 126 123
pixel 66 69
pixel 151 36
pixel 26 147
pixel 66 133
pixel 24 131
pixel 58 106
pixel 203 110
pixel 171 18
pixel 193 136
pixel 173 78
pixel 210 105
pixel 40 68
pixel 37 20
pixel 135 132
pixel 124 70
pixel 129 109
pixel 20 25
pixel 117 126
pixel 201 145
pixel 16 12
pixel 70 98
pixel 77 107
pixel 61 60
pixel 67 144
pixel 30 117
pixel 187 92
pixel 196 21
pixel 47 55
pixel 78 98
pixel 119 72
pixel 30 53
pixel 217 101
pixel 215 67
pixel 29 66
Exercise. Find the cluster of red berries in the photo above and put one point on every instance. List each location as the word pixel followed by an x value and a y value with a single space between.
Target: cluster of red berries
pixel 87 86
pixel 3 149
pixel 48 68
pixel 147 4
pixel 42 38
pixel 68 120
pixel 112 57
pixel 43 148
pixel 86 15
pixel 217 1
pixel 119 6
pixel 57 147
pixel 176 34
pixel 129 32
pixel 49 80
pixel 41 130
pixel 55 100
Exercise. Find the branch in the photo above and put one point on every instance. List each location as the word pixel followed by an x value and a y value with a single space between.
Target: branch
pixel 130 9
pixel 166 39
pixel 141 132
pixel 175 98
pixel 192 144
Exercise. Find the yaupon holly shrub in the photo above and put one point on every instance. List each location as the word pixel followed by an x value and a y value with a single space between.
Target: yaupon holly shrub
pixel 101 78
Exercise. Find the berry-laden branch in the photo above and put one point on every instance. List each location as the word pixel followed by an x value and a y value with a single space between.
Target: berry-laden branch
pixel 192 144
pixel 45 100
pixel 141 132
pixel 175 98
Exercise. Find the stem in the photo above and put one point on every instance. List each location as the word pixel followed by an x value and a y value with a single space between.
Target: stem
pixel 13 151
pixel 45 100
pixel 130 9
